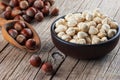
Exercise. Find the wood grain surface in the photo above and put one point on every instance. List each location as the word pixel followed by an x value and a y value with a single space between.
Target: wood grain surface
pixel 14 63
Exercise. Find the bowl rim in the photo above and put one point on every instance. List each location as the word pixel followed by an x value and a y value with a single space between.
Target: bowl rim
pixel 75 44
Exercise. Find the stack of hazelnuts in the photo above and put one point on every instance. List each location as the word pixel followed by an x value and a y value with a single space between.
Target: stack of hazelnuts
pixel 28 10
pixel 36 61
pixel 22 34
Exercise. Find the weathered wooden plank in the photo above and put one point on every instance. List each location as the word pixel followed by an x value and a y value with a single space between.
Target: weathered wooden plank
pixel 10 63
pixel 5 52
pixel 3 42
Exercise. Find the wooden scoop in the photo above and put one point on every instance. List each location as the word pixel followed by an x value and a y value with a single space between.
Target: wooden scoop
pixel 4 23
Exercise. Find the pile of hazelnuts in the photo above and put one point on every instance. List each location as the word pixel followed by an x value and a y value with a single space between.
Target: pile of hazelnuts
pixel 36 61
pixel 22 34
pixel 28 10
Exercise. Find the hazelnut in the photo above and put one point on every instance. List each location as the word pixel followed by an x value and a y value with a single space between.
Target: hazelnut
pixel 16 11
pixel 45 11
pixel 13 33
pixel 21 39
pixel 2 6
pixel 52 2
pixel 23 12
pixel 30 44
pixel 47 67
pixel 46 3
pixel 13 3
pixel 23 4
pixel 9 25
pixel 7 14
pixel 54 12
pixel 35 61
pixel 18 17
pixel 8 8
pixel 20 0
pixel 38 4
pixel 31 2
pixel 39 16
pixel 66 37
pixel 27 32
pixel 27 18
pixel 19 25
pixel 31 11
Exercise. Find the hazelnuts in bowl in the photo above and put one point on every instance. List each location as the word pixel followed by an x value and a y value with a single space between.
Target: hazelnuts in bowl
pixel 23 36
pixel 28 10
pixel 86 35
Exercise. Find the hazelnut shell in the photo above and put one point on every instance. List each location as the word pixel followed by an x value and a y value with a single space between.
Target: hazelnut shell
pixel 30 44
pixel 35 61
pixel 47 67
pixel 27 32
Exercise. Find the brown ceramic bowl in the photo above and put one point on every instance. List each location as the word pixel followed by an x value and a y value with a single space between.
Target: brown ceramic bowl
pixel 84 51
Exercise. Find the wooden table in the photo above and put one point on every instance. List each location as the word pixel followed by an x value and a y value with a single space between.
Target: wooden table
pixel 14 63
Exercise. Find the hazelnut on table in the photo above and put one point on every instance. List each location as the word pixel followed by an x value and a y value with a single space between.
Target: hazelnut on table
pixel 47 67
pixel 35 60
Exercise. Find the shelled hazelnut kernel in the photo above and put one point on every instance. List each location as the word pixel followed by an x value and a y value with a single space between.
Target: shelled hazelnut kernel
pixel 93 30
pixel 30 44
pixel 35 60
pixel 23 4
pixel 31 11
pixel 13 33
pixel 39 16
pixel 21 39
pixel 47 67
pixel 19 25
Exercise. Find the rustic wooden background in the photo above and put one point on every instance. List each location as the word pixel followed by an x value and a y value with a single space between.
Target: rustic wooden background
pixel 14 63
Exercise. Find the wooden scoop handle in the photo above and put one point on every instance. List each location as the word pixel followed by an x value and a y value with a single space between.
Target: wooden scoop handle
pixel 2 21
